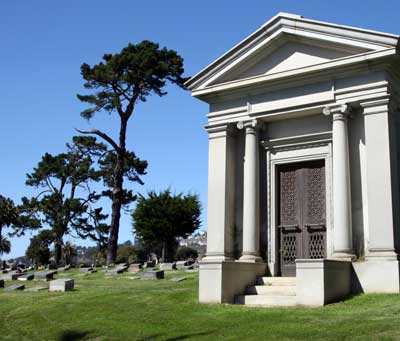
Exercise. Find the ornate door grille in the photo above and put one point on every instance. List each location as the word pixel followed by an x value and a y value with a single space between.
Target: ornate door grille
pixel 302 217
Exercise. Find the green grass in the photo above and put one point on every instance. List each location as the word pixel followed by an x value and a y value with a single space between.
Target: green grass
pixel 119 308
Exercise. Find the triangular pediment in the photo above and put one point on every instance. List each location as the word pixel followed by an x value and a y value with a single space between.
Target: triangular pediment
pixel 288 54
pixel 290 42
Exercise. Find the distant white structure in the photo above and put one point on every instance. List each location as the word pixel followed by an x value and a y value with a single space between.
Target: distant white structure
pixel 197 238
pixel 304 148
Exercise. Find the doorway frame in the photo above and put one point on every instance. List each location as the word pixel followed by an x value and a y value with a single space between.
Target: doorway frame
pixel 277 155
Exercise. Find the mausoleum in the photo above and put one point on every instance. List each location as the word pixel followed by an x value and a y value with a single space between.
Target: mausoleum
pixel 303 179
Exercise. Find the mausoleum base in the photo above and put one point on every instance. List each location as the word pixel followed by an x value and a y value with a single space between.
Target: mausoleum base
pixel 221 280
pixel 378 276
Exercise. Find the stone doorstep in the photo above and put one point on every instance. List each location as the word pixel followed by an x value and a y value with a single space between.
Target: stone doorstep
pixel 270 292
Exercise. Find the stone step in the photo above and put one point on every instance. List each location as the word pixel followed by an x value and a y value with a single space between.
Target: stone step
pixel 272 290
pixel 277 281
pixel 266 301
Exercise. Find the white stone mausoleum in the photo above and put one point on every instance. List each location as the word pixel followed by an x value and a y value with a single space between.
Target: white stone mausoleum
pixel 303 182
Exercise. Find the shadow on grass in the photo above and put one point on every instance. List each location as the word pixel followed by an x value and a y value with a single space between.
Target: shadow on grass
pixel 72 335
pixel 176 338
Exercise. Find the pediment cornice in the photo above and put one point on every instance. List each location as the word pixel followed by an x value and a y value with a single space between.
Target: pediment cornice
pixel 284 27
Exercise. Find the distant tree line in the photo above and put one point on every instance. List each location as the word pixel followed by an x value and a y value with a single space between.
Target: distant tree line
pixel 65 202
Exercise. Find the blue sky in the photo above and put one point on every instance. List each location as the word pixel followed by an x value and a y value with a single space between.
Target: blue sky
pixel 43 44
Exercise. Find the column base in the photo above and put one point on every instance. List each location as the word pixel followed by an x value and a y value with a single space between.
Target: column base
pixel 251 258
pixel 217 258
pixel 381 255
pixel 348 255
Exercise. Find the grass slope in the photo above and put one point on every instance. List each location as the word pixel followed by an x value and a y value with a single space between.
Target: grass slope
pixel 119 308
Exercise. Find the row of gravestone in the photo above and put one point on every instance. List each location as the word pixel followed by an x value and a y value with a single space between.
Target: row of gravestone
pixel 63 284
pixel 41 275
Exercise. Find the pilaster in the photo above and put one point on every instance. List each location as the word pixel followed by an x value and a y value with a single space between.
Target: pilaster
pixel 221 192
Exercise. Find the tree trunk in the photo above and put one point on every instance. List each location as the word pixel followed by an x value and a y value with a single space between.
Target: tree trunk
pixel 117 197
pixel 58 250
pixel 163 252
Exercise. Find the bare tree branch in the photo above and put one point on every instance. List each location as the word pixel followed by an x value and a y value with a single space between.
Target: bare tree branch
pixel 102 135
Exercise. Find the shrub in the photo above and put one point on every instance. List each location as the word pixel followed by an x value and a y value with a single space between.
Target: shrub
pixel 185 252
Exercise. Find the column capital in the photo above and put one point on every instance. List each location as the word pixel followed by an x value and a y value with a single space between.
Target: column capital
pixel 251 125
pixel 220 130
pixel 338 111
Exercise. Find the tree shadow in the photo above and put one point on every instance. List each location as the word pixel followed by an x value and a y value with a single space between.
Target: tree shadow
pixel 187 336
pixel 72 335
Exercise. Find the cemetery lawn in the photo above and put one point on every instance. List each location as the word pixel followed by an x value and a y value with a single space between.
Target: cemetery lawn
pixel 119 308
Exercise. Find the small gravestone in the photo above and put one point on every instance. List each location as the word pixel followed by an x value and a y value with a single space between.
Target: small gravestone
pixel 67 267
pixel 35 289
pixel 11 276
pixel 4 271
pixel 150 264
pixel 136 267
pixel 15 287
pixel 177 279
pixel 45 275
pixel 26 277
pixel 86 269
pixel 1 283
pixel 180 264
pixel 52 266
pixel 166 266
pixel 61 285
pixel 153 274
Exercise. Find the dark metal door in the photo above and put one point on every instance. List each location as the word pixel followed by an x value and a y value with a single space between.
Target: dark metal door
pixel 301 212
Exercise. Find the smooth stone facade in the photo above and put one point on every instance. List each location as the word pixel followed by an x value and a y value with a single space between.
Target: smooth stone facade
pixel 61 285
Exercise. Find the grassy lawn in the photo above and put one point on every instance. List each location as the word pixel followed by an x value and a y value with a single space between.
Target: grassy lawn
pixel 119 308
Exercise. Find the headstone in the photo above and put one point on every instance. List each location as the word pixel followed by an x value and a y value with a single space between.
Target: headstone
pixel 15 287
pixel 26 277
pixel 52 266
pixel 150 264
pixel 115 271
pixel 177 279
pixel 4 271
pixel 166 266
pixel 11 276
pixel 135 267
pixel 61 285
pixel 1 283
pixel 180 264
pixel 85 269
pixel 38 288
pixel 153 274
pixel 67 267
pixel 45 275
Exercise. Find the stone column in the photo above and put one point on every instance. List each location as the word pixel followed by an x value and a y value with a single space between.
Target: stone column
pixel 342 219
pixel 381 173
pixel 221 193
pixel 251 228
